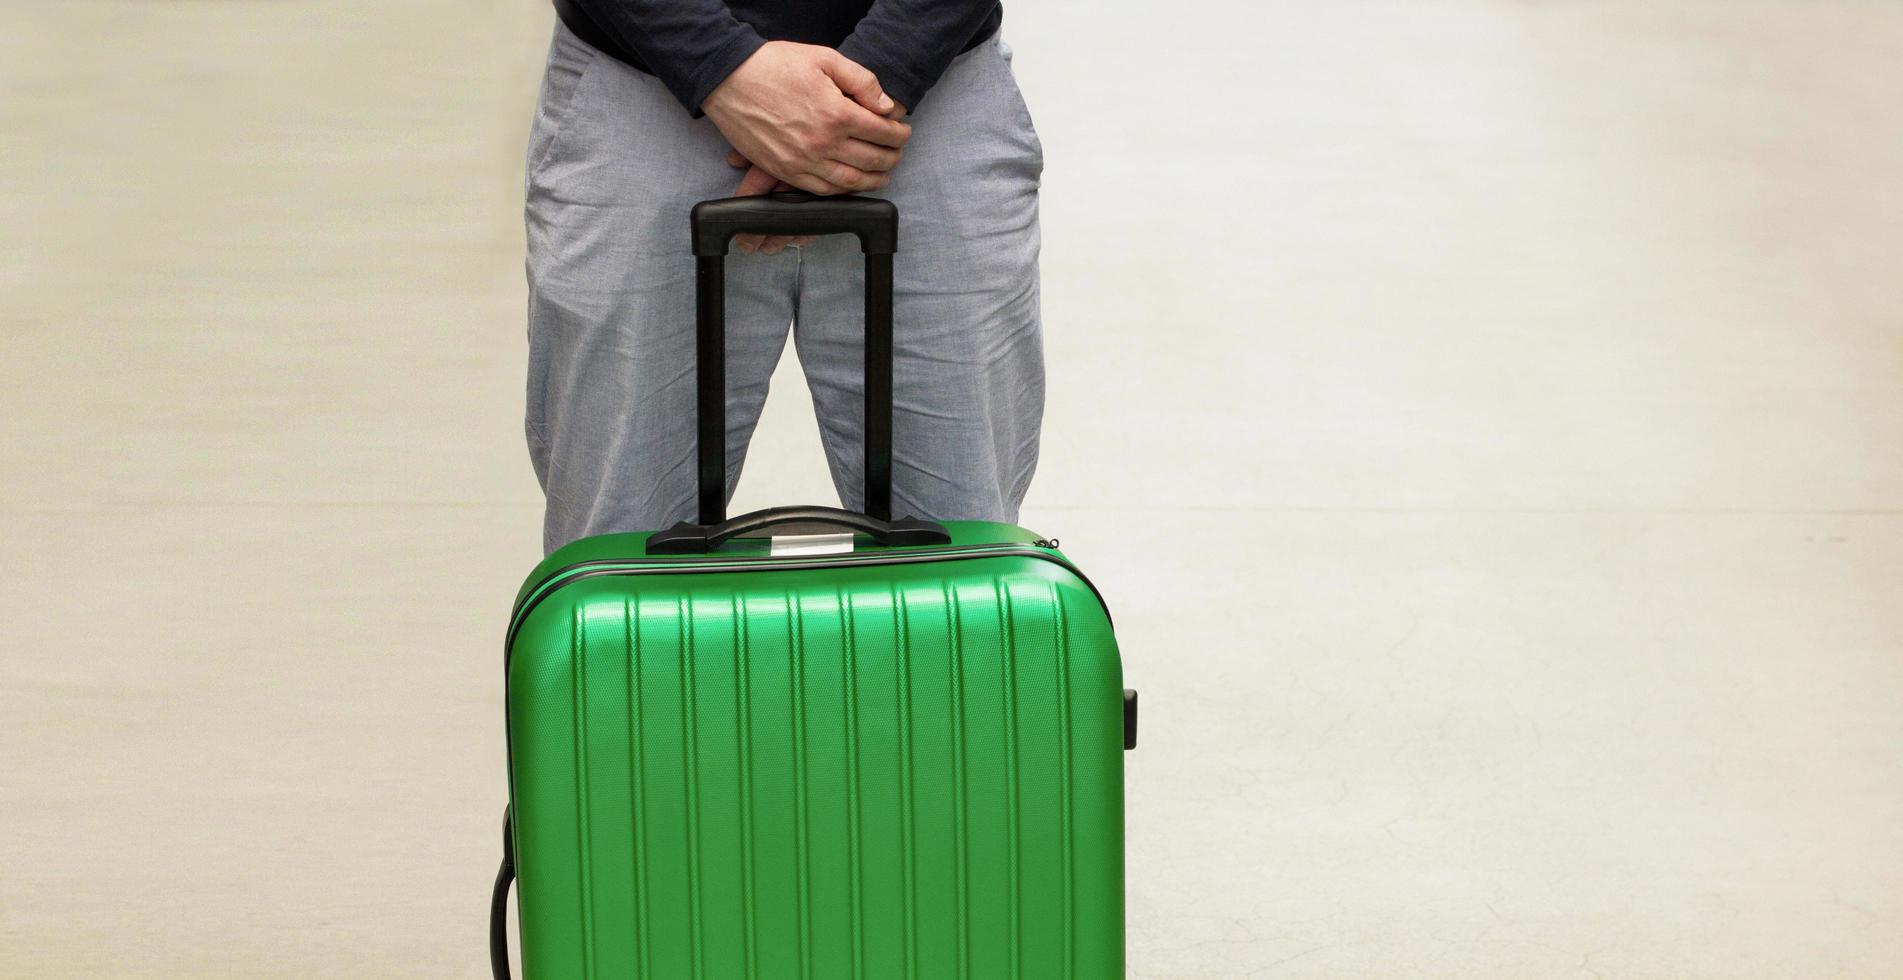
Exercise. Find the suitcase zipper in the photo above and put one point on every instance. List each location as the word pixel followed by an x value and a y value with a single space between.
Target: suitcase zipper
pixel 599 567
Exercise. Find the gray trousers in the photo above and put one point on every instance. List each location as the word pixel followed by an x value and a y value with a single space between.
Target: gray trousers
pixel 615 163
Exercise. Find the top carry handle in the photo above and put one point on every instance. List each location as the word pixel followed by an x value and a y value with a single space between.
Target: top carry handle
pixel 876 224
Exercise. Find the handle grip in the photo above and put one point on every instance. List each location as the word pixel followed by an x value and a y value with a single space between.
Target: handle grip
pixel 875 222
pixel 696 539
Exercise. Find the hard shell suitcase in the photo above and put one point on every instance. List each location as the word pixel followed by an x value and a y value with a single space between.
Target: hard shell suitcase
pixel 894 754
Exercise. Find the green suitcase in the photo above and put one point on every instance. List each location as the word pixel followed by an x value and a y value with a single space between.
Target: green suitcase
pixel 891 754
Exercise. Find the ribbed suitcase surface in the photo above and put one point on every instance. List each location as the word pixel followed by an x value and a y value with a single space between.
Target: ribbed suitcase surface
pixel 858 769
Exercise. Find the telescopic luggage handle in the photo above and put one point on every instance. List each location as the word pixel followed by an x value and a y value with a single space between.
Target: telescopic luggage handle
pixel 875 223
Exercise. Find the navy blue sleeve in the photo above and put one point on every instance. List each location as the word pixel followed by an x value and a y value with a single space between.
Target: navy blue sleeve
pixel 690 45
pixel 910 43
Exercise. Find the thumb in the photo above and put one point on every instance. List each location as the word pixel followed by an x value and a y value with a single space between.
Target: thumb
pixel 859 84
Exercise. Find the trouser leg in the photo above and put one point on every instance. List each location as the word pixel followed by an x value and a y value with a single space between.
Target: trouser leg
pixel 614 166
pixel 968 379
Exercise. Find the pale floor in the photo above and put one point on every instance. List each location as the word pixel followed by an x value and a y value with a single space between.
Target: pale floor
pixel 1485 418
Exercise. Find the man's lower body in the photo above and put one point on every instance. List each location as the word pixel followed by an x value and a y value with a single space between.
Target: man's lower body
pixel 615 164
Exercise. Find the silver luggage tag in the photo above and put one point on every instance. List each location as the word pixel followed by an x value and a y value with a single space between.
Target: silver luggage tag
pixel 799 545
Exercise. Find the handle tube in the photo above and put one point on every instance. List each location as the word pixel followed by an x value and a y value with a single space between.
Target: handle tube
pixel 878 421
pixel 695 539
pixel 710 384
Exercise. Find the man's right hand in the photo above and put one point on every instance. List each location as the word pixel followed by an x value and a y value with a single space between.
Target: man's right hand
pixel 811 117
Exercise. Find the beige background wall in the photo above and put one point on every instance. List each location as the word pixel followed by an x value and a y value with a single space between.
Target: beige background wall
pixel 1513 393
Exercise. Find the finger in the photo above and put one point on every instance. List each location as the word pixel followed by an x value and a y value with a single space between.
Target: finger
pixel 756 182
pixel 851 178
pixel 775 244
pixel 870 157
pixel 859 84
pixel 878 129
pixel 805 240
pixel 735 160
pixel 814 184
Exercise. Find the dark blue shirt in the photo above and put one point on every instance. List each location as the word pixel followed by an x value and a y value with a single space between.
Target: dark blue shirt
pixel 693 45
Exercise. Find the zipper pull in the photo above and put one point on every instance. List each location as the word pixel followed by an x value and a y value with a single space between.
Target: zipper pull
pixel 1050 543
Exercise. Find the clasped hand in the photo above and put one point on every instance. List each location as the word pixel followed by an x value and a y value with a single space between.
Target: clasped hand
pixel 805 116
